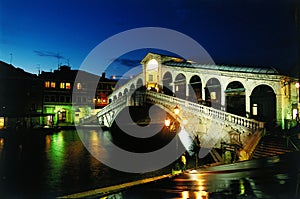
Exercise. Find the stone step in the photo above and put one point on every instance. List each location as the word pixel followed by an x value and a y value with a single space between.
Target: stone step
pixel 271 145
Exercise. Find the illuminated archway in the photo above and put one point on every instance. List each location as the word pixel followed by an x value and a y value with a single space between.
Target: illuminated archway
pixel 167 80
pixel 151 74
pixel 263 104
pixel 195 89
pixel 180 86
pixel 235 98
pixel 213 93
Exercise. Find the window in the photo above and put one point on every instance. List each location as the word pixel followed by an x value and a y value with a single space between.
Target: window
pixel 47 99
pixel 68 86
pixel 2 122
pixel 52 99
pixel 68 99
pixel 62 98
pixel 52 85
pixel 62 85
pixel 79 86
pixel 47 84
pixel 150 78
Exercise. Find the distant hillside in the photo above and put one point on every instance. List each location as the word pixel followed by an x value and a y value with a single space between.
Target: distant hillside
pixel 17 90
pixel 8 71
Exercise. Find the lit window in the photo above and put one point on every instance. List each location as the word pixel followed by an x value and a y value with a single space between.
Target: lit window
pixel 62 85
pixel 52 84
pixel 2 122
pixel 68 86
pixel 79 86
pixel 47 84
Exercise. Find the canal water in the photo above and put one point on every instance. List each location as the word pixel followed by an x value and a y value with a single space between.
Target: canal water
pixel 40 165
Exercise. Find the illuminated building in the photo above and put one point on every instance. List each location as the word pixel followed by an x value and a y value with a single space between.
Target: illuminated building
pixel 59 88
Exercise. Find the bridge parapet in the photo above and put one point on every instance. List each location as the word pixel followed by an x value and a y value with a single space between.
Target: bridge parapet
pixel 107 114
pixel 207 112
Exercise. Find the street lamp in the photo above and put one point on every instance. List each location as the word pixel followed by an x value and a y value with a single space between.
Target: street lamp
pixel 167 122
pixel 176 110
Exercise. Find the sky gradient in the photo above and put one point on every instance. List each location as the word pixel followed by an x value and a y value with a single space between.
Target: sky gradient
pixel 33 34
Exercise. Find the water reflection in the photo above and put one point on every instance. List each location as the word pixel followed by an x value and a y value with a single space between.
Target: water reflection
pixel 275 177
pixel 52 165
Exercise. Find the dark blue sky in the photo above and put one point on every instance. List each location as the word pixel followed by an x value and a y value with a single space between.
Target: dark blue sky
pixel 248 32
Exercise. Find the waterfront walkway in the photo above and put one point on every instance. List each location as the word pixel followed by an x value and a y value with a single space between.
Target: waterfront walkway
pixel 115 188
pixel 272 177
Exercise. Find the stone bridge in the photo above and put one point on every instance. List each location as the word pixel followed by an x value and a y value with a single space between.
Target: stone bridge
pixel 220 104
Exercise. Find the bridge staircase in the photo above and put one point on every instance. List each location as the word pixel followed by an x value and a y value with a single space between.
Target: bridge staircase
pixel 277 142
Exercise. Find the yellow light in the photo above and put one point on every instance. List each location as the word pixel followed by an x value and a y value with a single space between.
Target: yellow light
pixel 176 110
pixel 185 195
pixel 1 122
pixel 167 122
pixel 295 111
pixel 297 85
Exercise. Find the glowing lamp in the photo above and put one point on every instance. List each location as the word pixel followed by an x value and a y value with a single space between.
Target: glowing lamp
pixel 297 85
pixel 167 122
pixel 176 110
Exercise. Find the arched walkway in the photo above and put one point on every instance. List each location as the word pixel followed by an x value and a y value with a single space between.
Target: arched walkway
pixel 235 98
pixel 263 104
pixel 213 93
pixel 195 89
pixel 180 86
pixel 167 80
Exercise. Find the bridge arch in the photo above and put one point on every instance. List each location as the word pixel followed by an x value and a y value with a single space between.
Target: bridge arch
pixel 263 103
pixel 139 83
pixel 195 89
pixel 180 86
pixel 125 91
pixel 213 93
pixel 120 94
pixel 167 83
pixel 235 98
pixel 132 88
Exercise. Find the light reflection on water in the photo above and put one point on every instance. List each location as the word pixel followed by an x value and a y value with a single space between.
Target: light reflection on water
pixel 275 177
pixel 54 165
pixel 59 164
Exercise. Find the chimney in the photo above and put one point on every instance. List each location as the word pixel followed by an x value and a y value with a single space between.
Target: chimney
pixel 103 75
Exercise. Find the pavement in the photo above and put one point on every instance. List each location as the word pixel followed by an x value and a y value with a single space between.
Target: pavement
pixel 115 188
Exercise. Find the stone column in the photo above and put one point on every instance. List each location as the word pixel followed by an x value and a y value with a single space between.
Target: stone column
pixel 247 101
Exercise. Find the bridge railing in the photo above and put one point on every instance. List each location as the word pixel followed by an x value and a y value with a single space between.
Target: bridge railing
pixel 121 101
pixel 207 111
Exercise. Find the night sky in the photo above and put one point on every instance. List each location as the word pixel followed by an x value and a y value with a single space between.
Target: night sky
pixel 250 32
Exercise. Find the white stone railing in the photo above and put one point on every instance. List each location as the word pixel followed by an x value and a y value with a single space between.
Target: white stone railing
pixel 190 107
pixel 207 111
pixel 127 85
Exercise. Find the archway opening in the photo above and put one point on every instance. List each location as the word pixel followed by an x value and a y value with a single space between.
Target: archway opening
pixel 167 87
pixel 235 98
pixel 195 89
pixel 263 104
pixel 139 84
pixel 213 93
pixel 180 86
pixel 151 74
